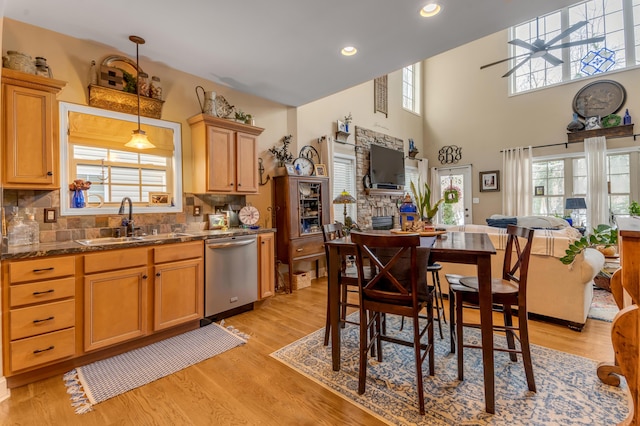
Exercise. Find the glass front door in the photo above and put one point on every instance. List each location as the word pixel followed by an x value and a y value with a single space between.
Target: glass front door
pixel 451 181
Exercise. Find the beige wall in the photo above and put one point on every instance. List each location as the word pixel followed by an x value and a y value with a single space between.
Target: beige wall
pixel 469 107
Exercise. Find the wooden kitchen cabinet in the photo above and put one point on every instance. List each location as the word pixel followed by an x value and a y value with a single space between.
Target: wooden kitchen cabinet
pixel 225 155
pixel 115 297
pixel 178 284
pixel 266 265
pixel 39 312
pixel 302 207
pixel 30 130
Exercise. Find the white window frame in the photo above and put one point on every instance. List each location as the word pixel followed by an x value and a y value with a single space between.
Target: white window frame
pixel 174 186
pixel 338 209
pixel 630 46
pixel 411 88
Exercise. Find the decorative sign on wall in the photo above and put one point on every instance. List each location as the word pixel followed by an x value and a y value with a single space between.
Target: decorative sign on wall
pixel 450 154
pixel 380 95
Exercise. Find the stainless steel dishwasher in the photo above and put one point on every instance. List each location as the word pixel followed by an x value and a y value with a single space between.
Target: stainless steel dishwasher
pixel 231 273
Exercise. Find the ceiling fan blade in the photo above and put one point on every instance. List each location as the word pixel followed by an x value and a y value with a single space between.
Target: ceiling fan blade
pixel 523 44
pixel 512 70
pixel 566 32
pixel 503 60
pixel 577 43
pixel 551 59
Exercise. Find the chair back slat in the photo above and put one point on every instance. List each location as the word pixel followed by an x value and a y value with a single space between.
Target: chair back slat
pixel 397 267
pixel 516 258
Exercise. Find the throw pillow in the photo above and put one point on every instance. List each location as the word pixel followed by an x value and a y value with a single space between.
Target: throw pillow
pixel 502 222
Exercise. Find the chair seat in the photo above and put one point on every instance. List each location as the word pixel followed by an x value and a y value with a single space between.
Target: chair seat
pixel 434 267
pixel 498 285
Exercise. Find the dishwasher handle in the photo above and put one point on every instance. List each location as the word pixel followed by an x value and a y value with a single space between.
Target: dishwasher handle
pixel 232 244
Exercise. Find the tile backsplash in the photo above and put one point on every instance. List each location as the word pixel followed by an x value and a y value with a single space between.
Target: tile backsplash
pixel 80 227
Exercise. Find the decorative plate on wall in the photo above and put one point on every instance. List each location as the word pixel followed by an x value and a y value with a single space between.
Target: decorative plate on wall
pixel 599 98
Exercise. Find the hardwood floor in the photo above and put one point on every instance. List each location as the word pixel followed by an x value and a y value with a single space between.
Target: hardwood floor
pixel 245 386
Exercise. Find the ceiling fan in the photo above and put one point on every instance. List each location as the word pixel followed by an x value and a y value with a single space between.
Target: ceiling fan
pixel 540 48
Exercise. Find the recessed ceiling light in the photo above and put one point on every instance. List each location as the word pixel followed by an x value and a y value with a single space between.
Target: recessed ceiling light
pixel 349 51
pixel 429 10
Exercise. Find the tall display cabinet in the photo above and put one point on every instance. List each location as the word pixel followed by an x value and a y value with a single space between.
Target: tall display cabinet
pixel 302 206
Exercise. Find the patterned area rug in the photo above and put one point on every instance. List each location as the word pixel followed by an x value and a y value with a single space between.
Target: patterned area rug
pixel 101 380
pixel 569 392
pixel 603 306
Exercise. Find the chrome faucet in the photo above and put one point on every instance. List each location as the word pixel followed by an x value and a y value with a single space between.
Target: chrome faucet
pixel 127 222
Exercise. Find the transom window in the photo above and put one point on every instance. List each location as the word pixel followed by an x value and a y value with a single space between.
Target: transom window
pixel 617 20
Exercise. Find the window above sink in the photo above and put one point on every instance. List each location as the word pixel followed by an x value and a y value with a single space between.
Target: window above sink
pixel 92 149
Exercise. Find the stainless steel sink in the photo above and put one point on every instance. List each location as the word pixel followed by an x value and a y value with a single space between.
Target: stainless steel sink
pixel 106 241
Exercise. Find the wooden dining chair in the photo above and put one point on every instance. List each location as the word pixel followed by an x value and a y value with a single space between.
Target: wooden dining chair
pixel 507 292
pixel 398 287
pixel 348 280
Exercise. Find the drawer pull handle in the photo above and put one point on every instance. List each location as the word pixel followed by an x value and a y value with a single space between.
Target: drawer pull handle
pixel 37 321
pixel 38 351
pixel 144 277
pixel 299 250
pixel 43 270
pixel 158 274
pixel 40 293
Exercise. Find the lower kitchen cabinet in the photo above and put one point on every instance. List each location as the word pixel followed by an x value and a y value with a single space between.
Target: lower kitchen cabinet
pixel 266 265
pixel 178 284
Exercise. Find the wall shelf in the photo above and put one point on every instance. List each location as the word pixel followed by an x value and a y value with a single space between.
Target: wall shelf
pixel 610 132
pixel 342 136
pixel 380 192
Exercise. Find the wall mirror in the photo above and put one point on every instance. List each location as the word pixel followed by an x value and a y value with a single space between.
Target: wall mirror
pixel 92 148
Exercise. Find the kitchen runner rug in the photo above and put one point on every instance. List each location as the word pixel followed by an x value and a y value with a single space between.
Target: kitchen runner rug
pixel 101 380
pixel 569 392
pixel 603 306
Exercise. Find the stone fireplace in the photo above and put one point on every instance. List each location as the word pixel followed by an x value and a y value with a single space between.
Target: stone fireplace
pixel 382 205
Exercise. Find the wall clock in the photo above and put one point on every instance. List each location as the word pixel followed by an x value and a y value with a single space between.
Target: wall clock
pixel 303 166
pixel 599 98
pixel 249 215
pixel 311 153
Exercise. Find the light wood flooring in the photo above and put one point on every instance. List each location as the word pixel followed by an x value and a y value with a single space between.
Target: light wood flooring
pixel 245 386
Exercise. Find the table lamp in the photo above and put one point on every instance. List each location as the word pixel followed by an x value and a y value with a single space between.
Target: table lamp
pixel 574 204
pixel 344 198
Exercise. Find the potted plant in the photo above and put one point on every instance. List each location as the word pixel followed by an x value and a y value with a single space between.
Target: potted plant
pixel 347 120
pixel 242 117
pixel 282 154
pixel 634 209
pixel 422 197
pixel 604 238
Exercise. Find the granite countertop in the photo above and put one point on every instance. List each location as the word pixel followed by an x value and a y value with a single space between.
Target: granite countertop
pixel 73 247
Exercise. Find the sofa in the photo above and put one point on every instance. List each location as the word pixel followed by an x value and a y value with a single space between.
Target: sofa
pixel 556 292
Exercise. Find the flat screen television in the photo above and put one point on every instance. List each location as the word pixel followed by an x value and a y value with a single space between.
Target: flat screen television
pixel 386 167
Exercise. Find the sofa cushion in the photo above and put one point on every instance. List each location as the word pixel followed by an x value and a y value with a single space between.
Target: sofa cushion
pixel 502 222
pixel 536 222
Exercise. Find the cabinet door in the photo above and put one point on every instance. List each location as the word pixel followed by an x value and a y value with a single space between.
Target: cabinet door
pixel 115 307
pixel 30 154
pixel 266 265
pixel 247 163
pixel 221 160
pixel 178 293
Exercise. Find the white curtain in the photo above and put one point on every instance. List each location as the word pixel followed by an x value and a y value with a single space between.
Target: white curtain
pixel 516 181
pixel 423 170
pixel 326 156
pixel 433 184
pixel 595 150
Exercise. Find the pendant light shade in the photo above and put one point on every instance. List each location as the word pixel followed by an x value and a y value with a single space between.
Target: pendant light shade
pixel 138 137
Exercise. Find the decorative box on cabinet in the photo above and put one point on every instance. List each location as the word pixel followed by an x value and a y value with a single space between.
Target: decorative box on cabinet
pixel 302 207
pixel 39 324
pixel 30 130
pixel 225 155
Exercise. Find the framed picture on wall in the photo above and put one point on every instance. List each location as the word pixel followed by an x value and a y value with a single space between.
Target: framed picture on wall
pixel 321 170
pixel 490 181
pixel 159 199
pixel 539 190
pixel 341 126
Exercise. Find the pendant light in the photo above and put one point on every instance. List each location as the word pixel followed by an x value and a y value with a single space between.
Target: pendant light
pixel 138 137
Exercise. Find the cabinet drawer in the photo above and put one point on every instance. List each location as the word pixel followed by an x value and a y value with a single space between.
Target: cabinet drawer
pixel 37 350
pixel 41 269
pixel 42 291
pixel 25 322
pixel 307 247
pixel 115 259
pixel 182 251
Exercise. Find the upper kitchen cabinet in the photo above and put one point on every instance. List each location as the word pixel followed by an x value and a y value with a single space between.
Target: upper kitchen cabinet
pixel 225 155
pixel 30 136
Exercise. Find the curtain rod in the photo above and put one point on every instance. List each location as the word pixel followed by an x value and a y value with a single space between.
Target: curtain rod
pixel 566 144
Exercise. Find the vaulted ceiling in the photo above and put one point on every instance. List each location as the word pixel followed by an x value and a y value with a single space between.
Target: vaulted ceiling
pixel 287 51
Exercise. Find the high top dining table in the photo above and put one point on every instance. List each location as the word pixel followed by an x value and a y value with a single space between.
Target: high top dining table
pixel 452 247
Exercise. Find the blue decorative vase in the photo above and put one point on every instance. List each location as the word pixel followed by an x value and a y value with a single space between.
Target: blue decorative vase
pixel 78 199
pixel 407 206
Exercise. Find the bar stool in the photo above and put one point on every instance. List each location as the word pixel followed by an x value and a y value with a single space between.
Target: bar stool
pixel 435 278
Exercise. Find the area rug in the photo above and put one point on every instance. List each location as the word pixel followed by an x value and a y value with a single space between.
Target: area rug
pixel 603 306
pixel 568 389
pixel 96 382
